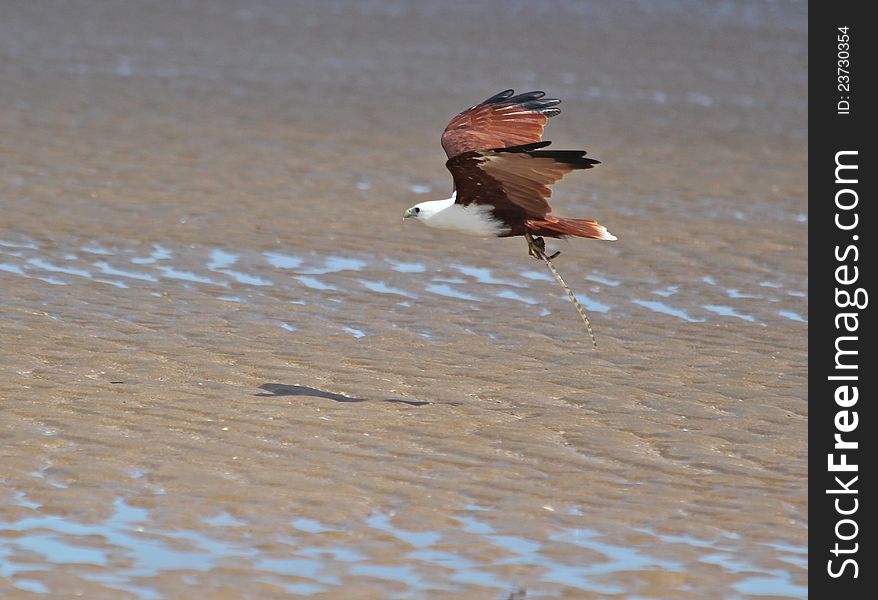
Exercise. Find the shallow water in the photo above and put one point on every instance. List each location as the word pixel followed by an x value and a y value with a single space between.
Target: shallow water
pixel 228 366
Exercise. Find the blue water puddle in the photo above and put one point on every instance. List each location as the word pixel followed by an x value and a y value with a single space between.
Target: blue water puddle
pixel 304 589
pixel 21 500
pixel 465 571
pixel 443 289
pixel 288 327
pixel 335 264
pixel 619 558
pixel 763 581
pixel 158 253
pixel 382 288
pixel 797 555
pixel 357 333
pixel 792 316
pixel 771 585
pixel 404 573
pixel 593 305
pixel 418 539
pixel 453 280
pixel 511 295
pixel 667 292
pixel 488 334
pixel 523 552
pixel 113 282
pixel 420 189
pixel 283 261
pixel 473 525
pixel 104 268
pixel 774 582
pixel 245 278
pixel 661 307
pixel 736 293
pixel 537 276
pixel 406 267
pixel 299 567
pixel 54 281
pixel 311 526
pixel 10 268
pixel 589 303
pixel 37 587
pixel 598 278
pixel 220 261
pixel 467 575
pixel 224 520
pixel 60 541
pixel 728 311
pixel 97 249
pixel 47 266
pixel 225 267
pixel 483 275
pixel 172 273
pixel 41 474
pixel 107 269
pixel 680 539
pixel 314 283
pixel 55 550
pixel 518 545
pixel 23 245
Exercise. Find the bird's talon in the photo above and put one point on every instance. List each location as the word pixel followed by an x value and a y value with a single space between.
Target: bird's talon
pixel 536 247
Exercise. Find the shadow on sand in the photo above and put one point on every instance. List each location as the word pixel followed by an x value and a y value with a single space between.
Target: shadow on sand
pixel 282 389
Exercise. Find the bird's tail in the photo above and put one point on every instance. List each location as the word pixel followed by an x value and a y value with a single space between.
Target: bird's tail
pixel 550 226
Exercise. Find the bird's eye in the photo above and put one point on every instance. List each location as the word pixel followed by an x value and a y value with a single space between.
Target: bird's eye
pixel 416 210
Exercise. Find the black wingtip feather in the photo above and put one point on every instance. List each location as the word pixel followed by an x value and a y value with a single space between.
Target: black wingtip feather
pixel 540 104
pixel 501 97
pixel 574 158
pixel 523 147
pixel 527 97
pixel 534 101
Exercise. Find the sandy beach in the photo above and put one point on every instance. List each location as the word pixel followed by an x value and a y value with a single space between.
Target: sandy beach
pixel 229 369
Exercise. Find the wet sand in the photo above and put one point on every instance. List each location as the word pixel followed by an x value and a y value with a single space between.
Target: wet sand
pixel 229 368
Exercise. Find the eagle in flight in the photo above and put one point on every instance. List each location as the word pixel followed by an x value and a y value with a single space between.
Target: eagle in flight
pixel 502 175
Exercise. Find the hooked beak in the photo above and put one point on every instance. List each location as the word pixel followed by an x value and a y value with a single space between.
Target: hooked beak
pixel 407 213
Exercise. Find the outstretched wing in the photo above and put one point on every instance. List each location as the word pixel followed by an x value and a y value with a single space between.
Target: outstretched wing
pixel 500 121
pixel 516 180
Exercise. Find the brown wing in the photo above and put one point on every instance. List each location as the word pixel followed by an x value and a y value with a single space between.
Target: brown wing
pixel 500 121
pixel 514 180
